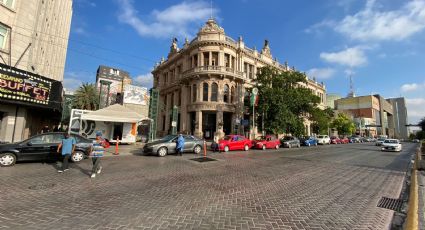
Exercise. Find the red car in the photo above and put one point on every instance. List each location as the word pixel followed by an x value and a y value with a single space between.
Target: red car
pixel 234 142
pixel 335 140
pixel 344 140
pixel 266 142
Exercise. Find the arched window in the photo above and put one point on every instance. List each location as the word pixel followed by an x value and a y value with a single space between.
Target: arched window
pixel 226 94
pixel 232 95
pixel 205 92
pixel 214 91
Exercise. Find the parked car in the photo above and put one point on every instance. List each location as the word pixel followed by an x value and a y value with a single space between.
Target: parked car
pixel 308 141
pixel 415 141
pixel 167 145
pixel 379 141
pixel 289 142
pixel 266 142
pixel 344 140
pixel 43 147
pixel 391 145
pixel 323 140
pixel 354 139
pixel 234 142
pixel 335 140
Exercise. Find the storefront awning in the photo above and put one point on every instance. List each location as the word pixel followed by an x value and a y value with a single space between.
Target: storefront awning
pixel 114 113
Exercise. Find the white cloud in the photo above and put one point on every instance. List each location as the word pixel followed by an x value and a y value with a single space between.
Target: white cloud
pixel 415 109
pixel 323 73
pixel 410 87
pixel 350 57
pixel 145 80
pixel 372 24
pixel 173 21
pixel 71 84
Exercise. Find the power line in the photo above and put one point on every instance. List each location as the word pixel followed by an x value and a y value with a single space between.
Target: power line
pixel 74 50
pixel 88 44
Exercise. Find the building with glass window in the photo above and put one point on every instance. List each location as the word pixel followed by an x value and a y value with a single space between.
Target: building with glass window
pixel 203 87
pixel 33 45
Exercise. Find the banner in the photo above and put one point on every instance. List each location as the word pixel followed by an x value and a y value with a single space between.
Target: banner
pixel 135 95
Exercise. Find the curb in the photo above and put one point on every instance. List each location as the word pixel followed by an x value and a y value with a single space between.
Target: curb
pixel 412 213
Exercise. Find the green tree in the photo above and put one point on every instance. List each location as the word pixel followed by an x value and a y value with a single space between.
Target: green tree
pixel 282 102
pixel 86 97
pixel 321 120
pixel 343 124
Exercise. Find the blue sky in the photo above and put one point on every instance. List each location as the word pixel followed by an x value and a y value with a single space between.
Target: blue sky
pixel 380 43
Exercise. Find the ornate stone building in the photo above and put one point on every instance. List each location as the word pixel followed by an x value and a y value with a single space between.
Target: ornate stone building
pixel 208 80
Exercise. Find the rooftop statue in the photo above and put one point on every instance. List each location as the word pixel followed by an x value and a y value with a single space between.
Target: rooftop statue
pixel 174 48
pixel 266 49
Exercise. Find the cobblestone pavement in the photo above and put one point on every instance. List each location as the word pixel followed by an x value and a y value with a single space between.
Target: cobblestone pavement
pixel 323 187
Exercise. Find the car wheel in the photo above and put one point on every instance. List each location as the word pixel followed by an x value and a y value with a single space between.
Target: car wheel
pixel 246 147
pixel 162 152
pixel 77 156
pixel 277 147
pixel 197 149
pixel 226 148
pixel 7 159
pixel 264 147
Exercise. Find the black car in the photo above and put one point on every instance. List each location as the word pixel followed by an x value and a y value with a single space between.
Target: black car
pixel 42 147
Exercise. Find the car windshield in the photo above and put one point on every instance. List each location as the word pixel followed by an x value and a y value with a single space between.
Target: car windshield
pixel 260 138
pixel 320 136
pixel 168 138
pixel 287 138
pixel 391 141
pixel 227 138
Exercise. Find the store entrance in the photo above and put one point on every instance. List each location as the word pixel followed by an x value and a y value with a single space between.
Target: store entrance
pixel 227 123
pixel 209 124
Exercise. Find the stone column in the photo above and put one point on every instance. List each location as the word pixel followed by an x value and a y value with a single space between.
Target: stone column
pixel 198 124
pixel 200 91
pixel 210 58
pixel 219 121
pixel 201 59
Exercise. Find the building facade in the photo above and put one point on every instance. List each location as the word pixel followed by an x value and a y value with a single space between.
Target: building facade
pixel 33 45
pixel 400 117
pixel 372 114
pixel 110 83
pixel 330 100
pixel 203 86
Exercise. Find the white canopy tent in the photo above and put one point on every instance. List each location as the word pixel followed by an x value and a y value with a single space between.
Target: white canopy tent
pixel 114 113
pixel 112 121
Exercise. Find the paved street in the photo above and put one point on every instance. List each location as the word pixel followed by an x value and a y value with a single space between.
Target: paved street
pixel 323 187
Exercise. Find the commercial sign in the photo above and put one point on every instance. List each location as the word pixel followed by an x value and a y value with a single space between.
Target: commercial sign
pixel 24 87
pixel 135 95
pixel 153 112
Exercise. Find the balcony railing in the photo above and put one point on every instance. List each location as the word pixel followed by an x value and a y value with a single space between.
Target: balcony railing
pixel 211 68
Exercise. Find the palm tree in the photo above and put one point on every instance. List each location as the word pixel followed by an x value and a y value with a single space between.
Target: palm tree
pixel 86 97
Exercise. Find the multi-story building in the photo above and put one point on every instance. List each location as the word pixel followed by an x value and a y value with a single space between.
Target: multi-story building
pixel 110 83
pixel 330 100
pixel 400 117
pixel 372 114
pixel 33 45
pixel 202 86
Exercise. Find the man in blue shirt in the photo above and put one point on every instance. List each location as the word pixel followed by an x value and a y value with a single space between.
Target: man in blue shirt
pixel 68 146
pixel 180 145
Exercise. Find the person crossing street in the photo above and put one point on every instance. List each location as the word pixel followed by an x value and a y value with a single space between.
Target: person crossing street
pixel 180 145
pixel 98 150
pixel 68 146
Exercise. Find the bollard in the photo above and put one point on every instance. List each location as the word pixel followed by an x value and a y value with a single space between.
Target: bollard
pixel 116 146
pixel 205 148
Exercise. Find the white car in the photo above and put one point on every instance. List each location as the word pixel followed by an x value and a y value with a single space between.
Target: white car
pixel 379 141
pixel 323 140
pixel 391 145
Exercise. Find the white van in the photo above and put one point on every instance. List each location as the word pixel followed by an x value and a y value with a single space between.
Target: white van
pixel 323 139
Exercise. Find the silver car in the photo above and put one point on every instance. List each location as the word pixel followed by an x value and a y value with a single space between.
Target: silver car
pixel 167 145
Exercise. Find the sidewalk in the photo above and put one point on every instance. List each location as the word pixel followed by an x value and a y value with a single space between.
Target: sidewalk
pixel 125 149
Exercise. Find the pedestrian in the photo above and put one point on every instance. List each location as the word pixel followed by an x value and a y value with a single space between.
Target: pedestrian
pixel 214 145
pixel 179 145
pixel 68 146
pixel 97 153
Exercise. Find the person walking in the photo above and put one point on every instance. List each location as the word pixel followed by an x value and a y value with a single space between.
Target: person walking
pixel 68 146
pixel 180 145
pixel 97 153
